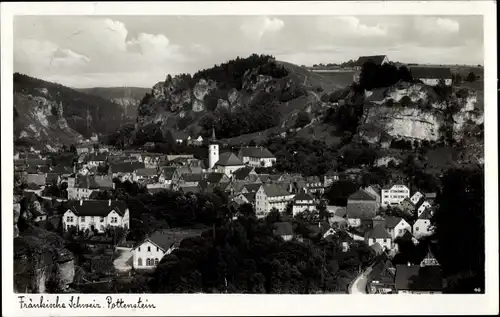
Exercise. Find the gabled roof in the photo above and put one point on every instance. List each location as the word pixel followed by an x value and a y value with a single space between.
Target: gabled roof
pixel 253 187
pixel 391 221
pixel 377 59
pixel 51 177
pixel 97 207
pixel 166 238
pixel 229 159
pixel 168 172
pixel 273 190
pixel 429 257
pixel 190 189
pixel 283 228
pixel 128 167
pixel 264 177
pixel 302 196
pixel 426 214
pixel 97 157
pixel 214 178
pixel 415 277
pixel 192 177
pixel 361 195
pixel 378 232
pixel 431 72
pixel 257 152
pixel 249 196
pixel 242 173
pixel 147 172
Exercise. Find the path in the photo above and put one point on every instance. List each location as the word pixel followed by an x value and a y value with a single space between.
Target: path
pixel 124 262
pixel 358 286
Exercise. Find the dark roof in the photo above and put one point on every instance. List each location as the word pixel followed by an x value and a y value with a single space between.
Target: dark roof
pixel 377 59
pixel 431 72
pixel 192 177
pixel 33 186
pixel 146 172
pixel 253 187
pixel 86 181
pixel 168 172
pixel 214 177
pixel 415 277
pixel 97 157
pixel 283 228
pixel 302 196
pixel 259 152
pixel 425 214
pixel 361 210
pixel 229 159
pixel 190 189
pixel 391 221
pixel 378 232
pixel 51 177
pixel 97 207
pixel 166 238
pixel 273 190
pixel 361 195
pixel 242 173
pixel 249 196
pixel 128 167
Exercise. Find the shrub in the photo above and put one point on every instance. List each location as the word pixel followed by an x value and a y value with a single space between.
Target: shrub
pixel 405 101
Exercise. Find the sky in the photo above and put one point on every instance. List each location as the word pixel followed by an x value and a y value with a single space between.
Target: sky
pixel 139 51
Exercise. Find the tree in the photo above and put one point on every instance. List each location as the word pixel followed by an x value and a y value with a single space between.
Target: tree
pixel 339 191
pixel 471 77
pixel 323 212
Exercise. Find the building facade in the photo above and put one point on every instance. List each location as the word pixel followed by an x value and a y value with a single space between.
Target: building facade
pixel 393 195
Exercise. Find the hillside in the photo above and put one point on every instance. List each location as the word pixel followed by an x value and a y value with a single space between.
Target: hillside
pixel 50 113
pixel 242 99
pixel 128 98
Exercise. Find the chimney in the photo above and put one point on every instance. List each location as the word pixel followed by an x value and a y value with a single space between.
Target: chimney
pixel 81 202
pixel 109 202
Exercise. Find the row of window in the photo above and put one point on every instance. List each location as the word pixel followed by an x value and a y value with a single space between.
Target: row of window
pixel 375 240
pixel 149 249
pixel 149 262
pixel 92 218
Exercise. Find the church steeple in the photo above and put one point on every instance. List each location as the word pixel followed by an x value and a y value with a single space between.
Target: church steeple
pixel 213 138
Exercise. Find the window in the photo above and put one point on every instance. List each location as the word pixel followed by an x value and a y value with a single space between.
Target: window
pixel 374 240
pixel 69 219
pixel 82 219
pixel 139 261
pixel 148 262
pixel 385 240
pixel 156 261
pixel 400 230
pixel 149 249
pixel 139 249
pixel 157 249
pixel 102 219
pixel 416 229
pixel 92 218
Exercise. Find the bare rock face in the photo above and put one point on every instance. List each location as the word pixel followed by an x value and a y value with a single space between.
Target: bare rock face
pixel 42 262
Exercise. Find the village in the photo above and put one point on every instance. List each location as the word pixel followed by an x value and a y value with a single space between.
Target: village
pixel 370 214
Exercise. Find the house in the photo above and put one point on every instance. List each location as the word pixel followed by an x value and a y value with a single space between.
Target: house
pixel 190 179
pixel 134 155
pixel 217 178
pixel 382 278
pixel 169 175
pixel 96 215
pixel 430 197
pixel 125 171
pixel 257 156
pixel 284 230
pixel 180 137
pixel 330 177
pixel 414 279
pixel 314 185
pixel 375 191
pixel 52 178
pixel 228 163
pixel 271 196
pixel 39 215
pixel 407 206
pixel 396 226
pixel 422 226
pixel 146 174
pixel 422 205
pixel 432 75
pixel 96 159
pixel 149 145
pixel 429 259
pixel 246 174
pixel 416 197
pixel 376 59
pixel 326 229
pixel 392 195
pixel 153 160
pixel 379 235
pixel 149 252
pixel 251 188
pixel 360 206
pixel 247 198
pixel 84 149
pixel 302 202
pixel 195 141
pixel 81 187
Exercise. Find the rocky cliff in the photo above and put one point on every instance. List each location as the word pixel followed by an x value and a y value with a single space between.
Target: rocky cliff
pixel 50 113
pixel 42 263
pixel 414 112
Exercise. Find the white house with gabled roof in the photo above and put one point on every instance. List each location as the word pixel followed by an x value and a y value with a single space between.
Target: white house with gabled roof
pixel 392 195
pixel 96 215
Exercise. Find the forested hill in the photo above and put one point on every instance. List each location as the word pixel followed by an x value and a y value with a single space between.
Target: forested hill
pixel 53 113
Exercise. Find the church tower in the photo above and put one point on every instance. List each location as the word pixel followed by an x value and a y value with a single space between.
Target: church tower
pixel 213 151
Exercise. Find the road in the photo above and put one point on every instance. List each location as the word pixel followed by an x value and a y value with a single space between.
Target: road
pixel 358 286
pixel 124 261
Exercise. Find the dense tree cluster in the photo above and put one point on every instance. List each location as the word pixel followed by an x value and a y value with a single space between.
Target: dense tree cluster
pixel 300 155
pixel 376 76
pixel 230 74
pixel 244 256
pixel 339 191
pixel 460 231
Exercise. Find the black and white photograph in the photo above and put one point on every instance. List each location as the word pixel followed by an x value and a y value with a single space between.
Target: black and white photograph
pixel 325 154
